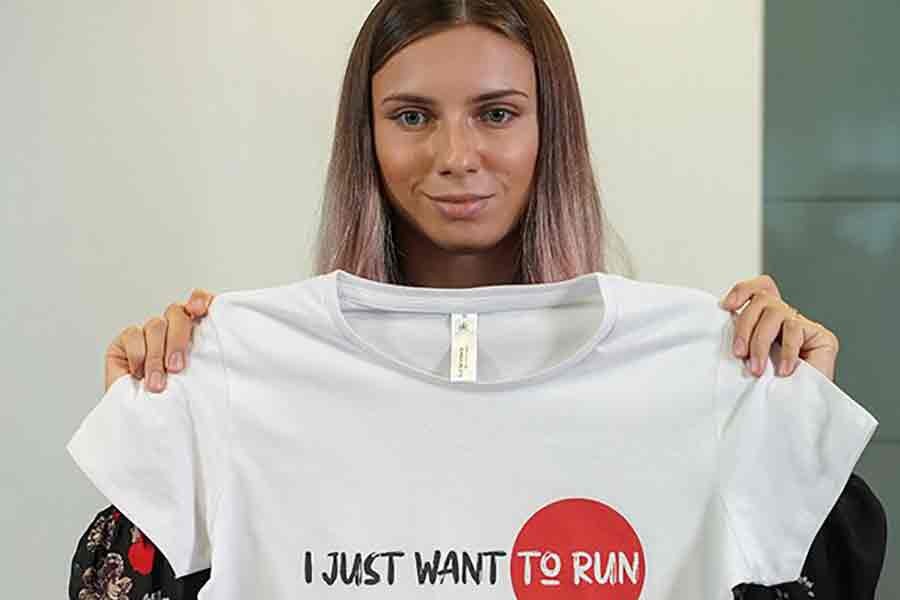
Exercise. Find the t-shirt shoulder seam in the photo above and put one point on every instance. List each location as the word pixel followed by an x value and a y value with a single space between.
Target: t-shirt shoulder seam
pixel 226 429
pixel 733 531
pixel 723 335
pixel 729 520
pixel 610 295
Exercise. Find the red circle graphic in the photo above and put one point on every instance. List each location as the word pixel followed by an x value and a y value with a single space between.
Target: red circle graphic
pixel 577 548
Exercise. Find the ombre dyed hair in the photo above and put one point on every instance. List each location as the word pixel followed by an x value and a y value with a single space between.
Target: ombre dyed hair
pixel 562 229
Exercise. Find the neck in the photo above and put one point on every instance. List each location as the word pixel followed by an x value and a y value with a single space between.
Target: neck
pixel 425 264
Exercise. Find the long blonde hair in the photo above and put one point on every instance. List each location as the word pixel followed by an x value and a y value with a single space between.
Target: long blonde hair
pixel 562 230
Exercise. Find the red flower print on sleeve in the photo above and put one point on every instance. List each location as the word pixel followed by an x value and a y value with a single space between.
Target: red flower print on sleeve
pixel 141 552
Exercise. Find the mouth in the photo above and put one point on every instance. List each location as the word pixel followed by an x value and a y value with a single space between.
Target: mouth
pixel 459 198
pixel 460 206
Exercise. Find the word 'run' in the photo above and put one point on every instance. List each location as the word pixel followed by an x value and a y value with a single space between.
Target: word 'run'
pixel 613 570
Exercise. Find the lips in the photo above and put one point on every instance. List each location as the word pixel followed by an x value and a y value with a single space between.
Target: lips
pixel 460 206
pixel 459 198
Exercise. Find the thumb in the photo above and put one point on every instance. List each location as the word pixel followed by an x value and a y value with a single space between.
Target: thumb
pixel 116 365
pixel 819 349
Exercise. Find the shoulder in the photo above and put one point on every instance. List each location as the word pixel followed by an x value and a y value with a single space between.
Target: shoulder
pixel 306 297
pixel 310 290
pixel 259 317
pixel 664 309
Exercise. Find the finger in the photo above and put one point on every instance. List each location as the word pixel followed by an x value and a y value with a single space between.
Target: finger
pixel 791 342
pixel 116 361
pixel 198 304
pixel 155 336
pixel 135 350
pixel 746 323
pixel 820 348
pixel 742 291
pixel 767 329
pixel 178 334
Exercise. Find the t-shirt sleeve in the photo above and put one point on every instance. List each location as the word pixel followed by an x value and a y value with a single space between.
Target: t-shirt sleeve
pixel 160 457
pixel 788 446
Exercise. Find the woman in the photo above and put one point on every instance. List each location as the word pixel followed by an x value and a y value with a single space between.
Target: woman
pixel 460 160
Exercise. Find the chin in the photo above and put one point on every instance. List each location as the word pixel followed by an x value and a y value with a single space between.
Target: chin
pixel 467 244
pixel 474 236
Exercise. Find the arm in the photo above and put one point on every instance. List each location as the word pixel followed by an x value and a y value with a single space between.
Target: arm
pixel 115 558
pixel 113 554
pixel 846 557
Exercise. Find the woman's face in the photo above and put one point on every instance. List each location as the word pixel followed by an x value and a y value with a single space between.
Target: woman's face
pixel 455 115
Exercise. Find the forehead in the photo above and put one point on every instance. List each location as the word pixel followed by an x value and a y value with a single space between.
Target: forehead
pixel 458 62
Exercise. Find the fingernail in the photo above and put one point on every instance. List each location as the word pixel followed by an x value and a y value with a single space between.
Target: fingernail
pixel 783 369
pixel 156 380
pixel 175 361
pixel 754 365
pixel 739 347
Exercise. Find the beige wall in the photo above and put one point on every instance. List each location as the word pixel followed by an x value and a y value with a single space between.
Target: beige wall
pixel 151 147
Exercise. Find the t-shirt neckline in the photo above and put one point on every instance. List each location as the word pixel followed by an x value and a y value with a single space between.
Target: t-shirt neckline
pixel 393 297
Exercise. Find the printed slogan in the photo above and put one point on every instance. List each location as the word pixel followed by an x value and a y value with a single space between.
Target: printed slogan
pixel 575 547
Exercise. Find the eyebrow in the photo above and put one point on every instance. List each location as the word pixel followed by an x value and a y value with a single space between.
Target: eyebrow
pixel 431 102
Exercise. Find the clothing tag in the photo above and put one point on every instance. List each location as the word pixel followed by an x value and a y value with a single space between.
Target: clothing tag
pixel 463 347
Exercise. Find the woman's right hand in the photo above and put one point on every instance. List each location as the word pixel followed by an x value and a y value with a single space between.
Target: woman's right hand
pixel 139 351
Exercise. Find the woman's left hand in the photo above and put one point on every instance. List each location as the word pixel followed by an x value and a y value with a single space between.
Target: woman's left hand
pixel 767 319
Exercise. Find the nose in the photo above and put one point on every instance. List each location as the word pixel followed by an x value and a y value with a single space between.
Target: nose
pixel 457 148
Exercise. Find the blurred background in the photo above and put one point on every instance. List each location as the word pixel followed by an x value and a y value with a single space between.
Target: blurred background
pixel 150 148
pixel 832 204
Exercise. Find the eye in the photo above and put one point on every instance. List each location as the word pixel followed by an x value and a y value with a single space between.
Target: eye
pixel 499 112
pixel 399 117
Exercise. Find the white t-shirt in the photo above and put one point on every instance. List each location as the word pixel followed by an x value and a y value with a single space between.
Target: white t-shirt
pixel 611 446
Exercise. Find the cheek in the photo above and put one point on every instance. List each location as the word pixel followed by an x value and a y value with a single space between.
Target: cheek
pixel 516 159
pixel 399 164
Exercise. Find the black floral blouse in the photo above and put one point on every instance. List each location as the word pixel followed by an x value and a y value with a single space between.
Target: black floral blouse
pixel 114 560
